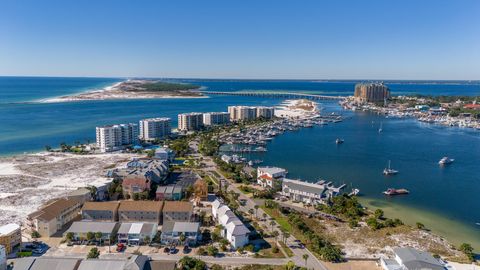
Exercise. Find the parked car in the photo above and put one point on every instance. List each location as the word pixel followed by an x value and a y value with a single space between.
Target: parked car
pixel 166 250
pixel 120 247
pixel 173 250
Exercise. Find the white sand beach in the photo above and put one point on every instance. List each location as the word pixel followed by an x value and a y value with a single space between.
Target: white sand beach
pixel 118 91
pixel 296 108
pixel 30 180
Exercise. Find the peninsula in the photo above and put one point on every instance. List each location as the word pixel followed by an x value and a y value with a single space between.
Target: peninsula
pixel 135 89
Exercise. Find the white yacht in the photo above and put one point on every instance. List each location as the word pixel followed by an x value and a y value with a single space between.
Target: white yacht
pixel 389 170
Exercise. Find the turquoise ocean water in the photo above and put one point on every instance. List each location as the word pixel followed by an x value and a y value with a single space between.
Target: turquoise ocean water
pixel 445 199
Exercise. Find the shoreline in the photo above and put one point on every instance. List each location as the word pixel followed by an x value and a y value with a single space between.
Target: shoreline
pixel 115 92
pixel 453 231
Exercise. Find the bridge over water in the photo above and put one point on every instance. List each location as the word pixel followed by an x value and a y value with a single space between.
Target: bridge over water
pixel 288 95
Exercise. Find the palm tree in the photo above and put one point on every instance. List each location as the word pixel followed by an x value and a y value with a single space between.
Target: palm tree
pixel 272 223
pixel 182 238
pixel 275 234
pixel 264 215
pixel 305 257
pixel 250 211
pixel 98 236
pixel 256 209
pixel 286 235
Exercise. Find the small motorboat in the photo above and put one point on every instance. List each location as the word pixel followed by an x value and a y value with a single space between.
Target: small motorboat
pixel 339 141
pixel 393 191
pixel 446 161
pixel 389 171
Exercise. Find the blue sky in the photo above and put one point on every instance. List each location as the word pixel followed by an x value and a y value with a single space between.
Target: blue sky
pixel 242 39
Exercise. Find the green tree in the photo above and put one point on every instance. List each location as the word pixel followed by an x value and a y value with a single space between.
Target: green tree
pixel 35 234
pixel 290 266
pixel 212 251
pixel 275 234
pixel 93 253
pixel 182 238
pixel 420 226
pixel 98 236
pixel 90 236
pixel 379 214
pixel 467 249
pixel 69 236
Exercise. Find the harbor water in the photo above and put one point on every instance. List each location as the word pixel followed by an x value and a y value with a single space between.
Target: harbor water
pixel 443 198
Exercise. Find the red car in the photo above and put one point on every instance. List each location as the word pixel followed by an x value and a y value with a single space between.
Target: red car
pixel 120 247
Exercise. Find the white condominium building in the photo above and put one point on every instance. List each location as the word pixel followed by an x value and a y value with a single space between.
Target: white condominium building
pixel 239 113
pixel 216 118
pixel 114 137
pixel 155 128
pixel 190 121
pixel 265 112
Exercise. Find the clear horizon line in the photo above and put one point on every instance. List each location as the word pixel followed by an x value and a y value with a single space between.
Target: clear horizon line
pixel 232 78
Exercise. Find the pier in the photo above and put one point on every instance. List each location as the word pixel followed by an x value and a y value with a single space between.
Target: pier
pixel 287 95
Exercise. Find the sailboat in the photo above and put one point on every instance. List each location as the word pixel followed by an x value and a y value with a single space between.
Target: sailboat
pixel 389 170
pixel 380 129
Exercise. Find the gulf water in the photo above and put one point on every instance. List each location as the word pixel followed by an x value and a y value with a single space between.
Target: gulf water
pixel 444 199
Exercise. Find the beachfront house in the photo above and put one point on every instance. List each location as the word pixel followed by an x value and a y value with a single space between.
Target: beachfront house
pixel 137 233
pixel 171 232
pixel 51 217
pixel 411 259
pixel 270 176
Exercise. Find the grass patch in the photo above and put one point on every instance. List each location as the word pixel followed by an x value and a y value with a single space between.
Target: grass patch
pixel 287 249
pixel 281 219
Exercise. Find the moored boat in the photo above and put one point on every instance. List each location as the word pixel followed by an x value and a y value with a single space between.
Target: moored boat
pixel 446 160
pixel 339 141
pixel 393 191
pixel 389 170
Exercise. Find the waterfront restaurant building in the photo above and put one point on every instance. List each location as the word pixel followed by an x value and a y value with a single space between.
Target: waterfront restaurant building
pixel 270 176
pixel 371 92
pixel 116 137
pixel 190 121
pixel 155 128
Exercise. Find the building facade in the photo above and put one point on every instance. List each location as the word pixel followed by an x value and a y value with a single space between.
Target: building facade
pixel 190 121
pixel 115 137
pixel 371 92
pixel 80 229
pixel 303 191
pixel 3 258
pixel 216 118
pixel 100 211
pixel 265 112
pixel 137 233
pixel 177 211
pixel 233 228
pixel 155 128
pixel 242 113
pixel 140 211
pixel 171 232
pixel 54 215
pixel 10 237
pixel 270 176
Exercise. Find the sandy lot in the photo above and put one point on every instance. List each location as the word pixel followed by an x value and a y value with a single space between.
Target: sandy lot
pixel 30 180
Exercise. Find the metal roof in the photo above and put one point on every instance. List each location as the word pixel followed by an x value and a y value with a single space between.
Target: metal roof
pixel 88 226
pixel 9 228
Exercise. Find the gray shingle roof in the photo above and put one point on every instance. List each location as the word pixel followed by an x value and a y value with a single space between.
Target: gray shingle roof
pixel 415 259
pixel 303 186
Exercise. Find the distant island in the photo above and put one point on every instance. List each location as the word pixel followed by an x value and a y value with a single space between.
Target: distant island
pixel 136 89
